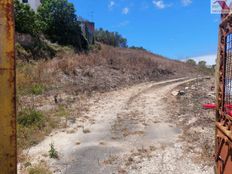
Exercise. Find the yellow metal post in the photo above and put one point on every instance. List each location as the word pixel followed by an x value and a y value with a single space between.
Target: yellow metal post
pixel 8 152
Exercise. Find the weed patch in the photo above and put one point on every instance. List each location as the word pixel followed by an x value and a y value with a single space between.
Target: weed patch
pixel 37 89
pixel 31 117
pixel 53 152
pixel 33 126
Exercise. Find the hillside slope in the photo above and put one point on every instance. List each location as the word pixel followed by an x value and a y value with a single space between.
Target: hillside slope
pixel 105 68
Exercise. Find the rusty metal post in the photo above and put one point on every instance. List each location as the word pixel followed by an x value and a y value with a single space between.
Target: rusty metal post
pixel 8 152
pixel 223 136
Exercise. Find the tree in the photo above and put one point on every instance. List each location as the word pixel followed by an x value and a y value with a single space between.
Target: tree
pixel 61 23
pixel 24 19
pixel 138 48
pixel 202 64
pixel 191 62
pixel 110 38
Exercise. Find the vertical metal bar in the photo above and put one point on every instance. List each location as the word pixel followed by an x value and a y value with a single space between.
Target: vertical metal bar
pixel 222 69
pixel 8 152
pixel 218 79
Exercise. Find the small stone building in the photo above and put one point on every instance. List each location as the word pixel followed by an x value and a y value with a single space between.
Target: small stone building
pixel 88 29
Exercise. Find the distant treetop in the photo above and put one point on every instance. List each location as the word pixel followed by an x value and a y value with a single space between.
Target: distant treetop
pixel 110 38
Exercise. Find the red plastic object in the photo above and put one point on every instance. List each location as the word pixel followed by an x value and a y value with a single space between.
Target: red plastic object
pixel 209 106
pixel 228 106
pixel 229 113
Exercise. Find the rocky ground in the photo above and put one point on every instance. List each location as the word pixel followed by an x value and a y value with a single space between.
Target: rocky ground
pixel 197 124
pixel 149 128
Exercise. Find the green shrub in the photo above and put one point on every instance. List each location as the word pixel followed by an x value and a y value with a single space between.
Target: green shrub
pixel 52 152
pixel 31 117
pixel 37 89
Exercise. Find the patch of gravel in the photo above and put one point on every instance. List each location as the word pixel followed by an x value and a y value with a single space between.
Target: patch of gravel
pixel 172 160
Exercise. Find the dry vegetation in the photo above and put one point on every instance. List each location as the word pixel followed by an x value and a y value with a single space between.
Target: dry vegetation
pixel 46 88
pixel 106 68
pixel 39 169
pixel 101 69
pixel 196 122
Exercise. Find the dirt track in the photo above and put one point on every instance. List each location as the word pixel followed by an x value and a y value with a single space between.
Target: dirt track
pixel 129 131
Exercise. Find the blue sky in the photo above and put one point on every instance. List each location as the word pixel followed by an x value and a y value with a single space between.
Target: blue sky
pixel 174 28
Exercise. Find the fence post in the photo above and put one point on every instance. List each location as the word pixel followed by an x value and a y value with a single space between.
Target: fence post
pixel 8 146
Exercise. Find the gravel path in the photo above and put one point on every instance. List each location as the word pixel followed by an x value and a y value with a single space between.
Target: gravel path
pixel 129 132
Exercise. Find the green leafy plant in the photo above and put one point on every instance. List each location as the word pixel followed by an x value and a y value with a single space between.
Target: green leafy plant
pixel 37 89
pixel 31 117
pixel 52 152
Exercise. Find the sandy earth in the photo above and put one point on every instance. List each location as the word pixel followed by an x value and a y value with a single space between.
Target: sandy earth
pixel 129 132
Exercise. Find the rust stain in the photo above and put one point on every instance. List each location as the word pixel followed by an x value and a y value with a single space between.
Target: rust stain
pixel 9 17
pixel 8 152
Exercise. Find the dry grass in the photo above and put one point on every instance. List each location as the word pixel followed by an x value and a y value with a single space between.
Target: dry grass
pixel 118 58
pixel 99 70
pixel 30 75
pixel 39 169
pixel 110 68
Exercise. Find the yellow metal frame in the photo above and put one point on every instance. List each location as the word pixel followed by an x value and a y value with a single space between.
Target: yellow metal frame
pixel 8 146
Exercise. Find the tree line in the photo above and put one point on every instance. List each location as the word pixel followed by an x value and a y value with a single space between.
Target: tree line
pixel 58 22
pixel 201 66
pixel 201 63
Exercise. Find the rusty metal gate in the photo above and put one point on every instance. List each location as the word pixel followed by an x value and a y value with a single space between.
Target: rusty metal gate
pixel 7 90
pixel 223 136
